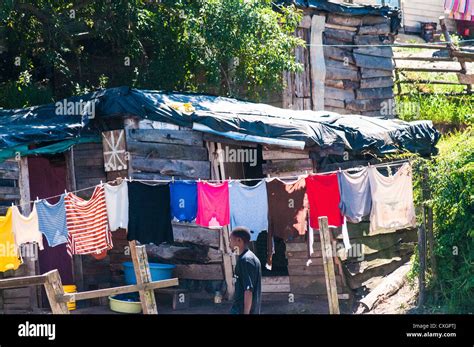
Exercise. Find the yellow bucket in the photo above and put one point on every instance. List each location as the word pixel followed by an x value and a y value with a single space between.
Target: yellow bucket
pixel 70 289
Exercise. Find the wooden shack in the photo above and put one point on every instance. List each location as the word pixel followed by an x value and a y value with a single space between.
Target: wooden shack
pixel 143 149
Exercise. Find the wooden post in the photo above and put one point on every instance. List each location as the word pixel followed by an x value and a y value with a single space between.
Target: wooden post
pixel 328 264
pixel 398 81
pixel 422 264
pixel 54 290
pixel 318 65
pixel 464 72
pixel 428 222
pixel 143 276
pixel 218 173
pixel 77 270
pixel 445 31
pixel 30 250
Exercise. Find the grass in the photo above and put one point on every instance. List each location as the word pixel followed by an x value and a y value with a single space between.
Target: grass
pixel 440 109
pixel 457 110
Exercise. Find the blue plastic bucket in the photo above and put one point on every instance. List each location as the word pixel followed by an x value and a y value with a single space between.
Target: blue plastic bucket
pixel 158 272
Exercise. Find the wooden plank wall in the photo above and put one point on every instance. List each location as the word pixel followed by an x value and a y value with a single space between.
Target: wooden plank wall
pixel 167 153
pixel 163 151
pixel 358 80
pixel 14 300
pixel 374 254
pixel 297 94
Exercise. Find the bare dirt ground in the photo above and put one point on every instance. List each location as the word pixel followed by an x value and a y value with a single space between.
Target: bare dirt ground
pixel 270 305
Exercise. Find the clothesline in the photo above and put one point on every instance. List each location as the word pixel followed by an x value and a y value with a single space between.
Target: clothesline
pixel 359 168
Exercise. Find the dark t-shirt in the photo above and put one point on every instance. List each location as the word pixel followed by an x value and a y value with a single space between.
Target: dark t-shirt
pixel 248 276
pixel 149 213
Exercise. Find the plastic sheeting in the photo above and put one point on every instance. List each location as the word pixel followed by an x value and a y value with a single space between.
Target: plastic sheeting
pixel 227 117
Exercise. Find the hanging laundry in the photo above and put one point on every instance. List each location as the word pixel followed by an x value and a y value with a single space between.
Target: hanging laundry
pixel 10 258
pixel 356 200
pixel 183 200
pixel 249 207
pixel 149 213
pixel 460 9
pixel 324 199
pixel 287 211
pixel 52 221
pixel 392 199
pixel 26 229
pixel 87 223
pixel 116 201
pixel 213 202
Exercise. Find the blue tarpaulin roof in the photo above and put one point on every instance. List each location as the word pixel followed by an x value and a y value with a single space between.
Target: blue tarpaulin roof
pixel 232 118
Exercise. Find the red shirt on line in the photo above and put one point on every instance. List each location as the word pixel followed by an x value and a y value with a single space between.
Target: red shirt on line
pixel 324 198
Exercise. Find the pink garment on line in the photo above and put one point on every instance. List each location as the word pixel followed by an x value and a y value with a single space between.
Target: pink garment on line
pixel 213 201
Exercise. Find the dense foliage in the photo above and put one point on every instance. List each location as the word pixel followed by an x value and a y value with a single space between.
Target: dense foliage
pixel 451 181
pixel 52 49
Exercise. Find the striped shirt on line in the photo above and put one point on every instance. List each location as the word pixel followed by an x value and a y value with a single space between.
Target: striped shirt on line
pixel 87 223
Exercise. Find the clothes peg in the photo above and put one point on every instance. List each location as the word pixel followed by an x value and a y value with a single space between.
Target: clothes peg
pixel 268 175
pixel 37 199
pixel 65 191
pixel 101 183
pixel 172 179
pixel 340 170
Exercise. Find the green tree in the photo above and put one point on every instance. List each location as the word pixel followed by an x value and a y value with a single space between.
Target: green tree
pixel 227 47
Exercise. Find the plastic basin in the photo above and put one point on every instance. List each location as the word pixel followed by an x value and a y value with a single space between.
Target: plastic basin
pixel 158 272
pixel 125 303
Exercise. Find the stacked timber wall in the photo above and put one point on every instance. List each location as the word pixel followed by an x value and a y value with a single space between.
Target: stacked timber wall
pixel 357 80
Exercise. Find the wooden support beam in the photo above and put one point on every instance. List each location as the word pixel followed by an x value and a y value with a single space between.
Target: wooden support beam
pixel 15 282
pixel 92 294
pixel 318 66
pixel 340 27
pixel 328 263
pixel 466 78
pixel 218 173
pixel 422 265
pixel 428 221
pixel 143 276
pixel 431 59
pixel 54 289
pixel 411 81
pixel 419 69
pixel 420 45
